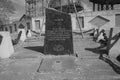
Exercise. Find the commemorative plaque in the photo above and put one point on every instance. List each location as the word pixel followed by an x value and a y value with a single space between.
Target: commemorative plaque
pixel 58 33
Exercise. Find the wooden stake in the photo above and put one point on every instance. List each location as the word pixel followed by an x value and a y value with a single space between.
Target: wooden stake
pixel 109 40
pixel 78 19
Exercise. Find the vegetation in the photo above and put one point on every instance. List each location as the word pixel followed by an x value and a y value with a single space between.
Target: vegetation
pixel 6 9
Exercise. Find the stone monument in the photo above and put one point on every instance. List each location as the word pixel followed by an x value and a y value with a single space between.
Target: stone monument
pixel 58 33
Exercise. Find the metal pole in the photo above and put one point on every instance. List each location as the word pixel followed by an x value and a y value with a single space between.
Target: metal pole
pixel 78 19
pixel 109 41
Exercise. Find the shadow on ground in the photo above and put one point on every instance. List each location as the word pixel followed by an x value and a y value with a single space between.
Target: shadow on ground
pixel 96 51
pixel 36 48
pixel 115 67
pixel 77 33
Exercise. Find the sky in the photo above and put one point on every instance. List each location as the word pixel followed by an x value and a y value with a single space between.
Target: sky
pixel 20 7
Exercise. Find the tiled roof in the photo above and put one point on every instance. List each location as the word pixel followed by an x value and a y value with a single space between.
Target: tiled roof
pixel 106 1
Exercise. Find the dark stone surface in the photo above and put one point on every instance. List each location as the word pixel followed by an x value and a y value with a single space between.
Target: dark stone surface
pixel 118 58
pixel 58 33
pixel 1 37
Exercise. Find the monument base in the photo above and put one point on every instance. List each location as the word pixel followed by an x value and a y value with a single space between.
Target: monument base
pixel 60 64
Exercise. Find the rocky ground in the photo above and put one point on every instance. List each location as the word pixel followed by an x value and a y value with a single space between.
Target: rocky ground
pixel 29 63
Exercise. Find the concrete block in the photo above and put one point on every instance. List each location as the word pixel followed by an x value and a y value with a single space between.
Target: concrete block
pixel 6 47
pixel 23 35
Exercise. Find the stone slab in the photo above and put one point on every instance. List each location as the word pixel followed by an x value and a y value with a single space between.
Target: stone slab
pixel 58 33
pixel 58 64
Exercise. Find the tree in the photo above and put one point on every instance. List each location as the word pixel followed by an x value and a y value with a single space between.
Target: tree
pixel 6 9
pixel 7 6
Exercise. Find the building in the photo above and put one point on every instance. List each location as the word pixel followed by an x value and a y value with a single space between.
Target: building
pixel 101 14
pixel 91 14
pixel 38 22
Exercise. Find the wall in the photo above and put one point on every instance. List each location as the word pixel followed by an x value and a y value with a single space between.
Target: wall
pixel 88 16
pixel 108 25
pixel 42 24
pixel 73 22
